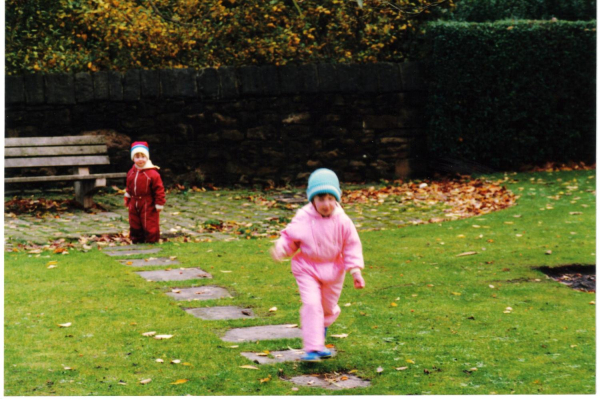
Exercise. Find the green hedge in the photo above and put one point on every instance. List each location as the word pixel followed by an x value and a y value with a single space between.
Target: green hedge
pixel 508 93
pixel 494 10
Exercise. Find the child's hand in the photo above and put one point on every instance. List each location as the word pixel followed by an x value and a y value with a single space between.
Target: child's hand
pixel 359 281
pixel 276 254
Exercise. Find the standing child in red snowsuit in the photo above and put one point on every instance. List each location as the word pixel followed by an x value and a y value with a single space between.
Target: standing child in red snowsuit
pixel 144 196
pixel 329 247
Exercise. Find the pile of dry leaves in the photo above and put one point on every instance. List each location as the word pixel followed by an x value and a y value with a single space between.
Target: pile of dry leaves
pixel 463 197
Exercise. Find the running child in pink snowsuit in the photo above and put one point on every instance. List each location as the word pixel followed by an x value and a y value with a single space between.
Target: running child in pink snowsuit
pixel 144 196
pixel 329 247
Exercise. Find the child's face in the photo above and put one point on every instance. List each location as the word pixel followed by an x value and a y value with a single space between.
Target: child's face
pixel 324 204
pixel 140 159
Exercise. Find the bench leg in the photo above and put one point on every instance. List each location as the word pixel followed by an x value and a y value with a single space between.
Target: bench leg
pixel 83 192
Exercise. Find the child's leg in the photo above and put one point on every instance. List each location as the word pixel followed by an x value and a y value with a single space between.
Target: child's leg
pixel 136 232
pixel 311 313
pixel 330 294
pixel 152 228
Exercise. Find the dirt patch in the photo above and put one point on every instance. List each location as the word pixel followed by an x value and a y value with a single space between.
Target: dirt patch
pixel 578 277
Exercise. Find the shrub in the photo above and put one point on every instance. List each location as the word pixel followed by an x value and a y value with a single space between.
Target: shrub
pixel 494 10
pixel 509 93
pixel 91 35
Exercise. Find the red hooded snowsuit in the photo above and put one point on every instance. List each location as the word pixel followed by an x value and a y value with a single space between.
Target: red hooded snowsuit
pixel 146 193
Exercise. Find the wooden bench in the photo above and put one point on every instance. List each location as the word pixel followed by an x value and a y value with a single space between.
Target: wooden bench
pixel 78 152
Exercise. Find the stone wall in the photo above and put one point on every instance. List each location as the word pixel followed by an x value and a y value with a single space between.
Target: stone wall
pixel 238 125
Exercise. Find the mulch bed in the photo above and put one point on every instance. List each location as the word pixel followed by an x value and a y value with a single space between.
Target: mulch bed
pixel 578 277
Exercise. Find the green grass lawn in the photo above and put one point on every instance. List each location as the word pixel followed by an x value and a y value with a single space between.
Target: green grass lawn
pixel 442 316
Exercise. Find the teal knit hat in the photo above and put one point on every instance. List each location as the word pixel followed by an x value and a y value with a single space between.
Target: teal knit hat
pixel 322 181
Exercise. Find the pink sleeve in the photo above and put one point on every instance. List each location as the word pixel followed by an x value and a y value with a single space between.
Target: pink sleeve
pixel 289 241
pixel 352 251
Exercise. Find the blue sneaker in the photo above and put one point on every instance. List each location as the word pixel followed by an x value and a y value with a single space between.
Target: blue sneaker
pixel 324 354
pixel 311 356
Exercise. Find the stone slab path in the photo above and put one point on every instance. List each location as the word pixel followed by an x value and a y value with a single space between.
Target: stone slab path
pixel 277 356
pixel 147 262
pixel 225 312
pixel 124 253
pixel 179 274
pixel 264 332
pixel 330 381
pixel 199 293
pixel 249 334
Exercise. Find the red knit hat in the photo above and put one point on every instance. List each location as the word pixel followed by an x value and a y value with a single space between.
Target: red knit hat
pixel 140 147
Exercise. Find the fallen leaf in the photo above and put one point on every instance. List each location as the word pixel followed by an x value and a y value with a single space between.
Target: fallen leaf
pixel 292 326
pixel 51 264
pixel 344 378
pixel 468 253
pixel 401 368
pixel 187 364
pixel 226 272
pixel 410 361
pixel 149 333
pixel 145 381
pixel 248 367
pixel 179 381
pixel 379 370
pixel 456 293
pixel 176 290
pixel 68 324
pixel 160 360
pixel 159 337
pixel 175 361
pixel 129 263
pixel 121 383
pixel 267 379
pixel 67 368
pixel 347 304
pixel 341 336
pixel 172 258
pixel 235 346
pixel 549 252
pixel 393 304
pixel 272 309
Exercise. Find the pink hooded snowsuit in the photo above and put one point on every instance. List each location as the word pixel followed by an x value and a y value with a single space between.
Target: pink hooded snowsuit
pixel 329 246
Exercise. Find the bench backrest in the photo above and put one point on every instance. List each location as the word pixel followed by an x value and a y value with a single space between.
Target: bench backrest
pixel 55 151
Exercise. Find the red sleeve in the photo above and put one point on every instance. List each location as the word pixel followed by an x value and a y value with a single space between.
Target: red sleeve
pixel 158 190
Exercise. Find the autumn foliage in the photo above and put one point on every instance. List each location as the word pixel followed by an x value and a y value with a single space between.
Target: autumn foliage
pixel 92 35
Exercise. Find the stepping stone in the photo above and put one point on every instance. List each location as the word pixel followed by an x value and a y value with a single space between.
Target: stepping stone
pixel 199 293
pixel 131 252
pixel 179 274
pixel 148 262
pixel 228 312
pixel 266 332
pixel 330 381
pixel 277 356
pixel 128 247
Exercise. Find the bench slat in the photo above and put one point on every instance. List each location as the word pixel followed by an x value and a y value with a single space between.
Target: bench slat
pixel 61 178
pixel 53 151
pixel 55 161
pixel 54 141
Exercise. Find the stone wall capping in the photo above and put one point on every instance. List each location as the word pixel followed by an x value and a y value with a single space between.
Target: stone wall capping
pixel 100 80
pixel 115 86
pixel 149 84
pixel 208 83
pixel 14 89
pixel 60 89
pixel 84 87
pixel 132 87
